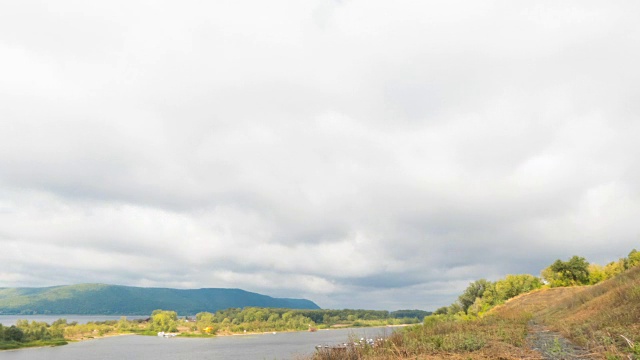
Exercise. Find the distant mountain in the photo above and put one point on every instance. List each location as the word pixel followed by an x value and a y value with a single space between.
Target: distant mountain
pixel 100 299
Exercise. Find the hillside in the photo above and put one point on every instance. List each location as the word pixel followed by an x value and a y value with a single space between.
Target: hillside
pixel 127 300
pixel 601 321
pixel 597 317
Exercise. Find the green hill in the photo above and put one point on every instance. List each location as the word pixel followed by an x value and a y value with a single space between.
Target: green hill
pixel 103 299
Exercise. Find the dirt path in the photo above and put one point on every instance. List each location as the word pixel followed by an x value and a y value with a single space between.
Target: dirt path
pixel 553 346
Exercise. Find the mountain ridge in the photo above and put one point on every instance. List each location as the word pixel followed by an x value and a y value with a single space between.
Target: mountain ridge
pixel 106 299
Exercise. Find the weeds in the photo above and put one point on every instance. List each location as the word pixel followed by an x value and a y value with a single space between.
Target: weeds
pixel 602 318
pixel 594 316
pixel 556 348
pixel 635 347
pixel 445 337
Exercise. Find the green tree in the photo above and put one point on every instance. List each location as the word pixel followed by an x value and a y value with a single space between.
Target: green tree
pixel 454 308
pixel 514 285
pixel 475 290
pixel 13 333
pixel 614 268
pixel 441 311
pixel 596 274
pixel 479 307
pixel 575 271
pixel 162 320
pixel 59 322
pixel 633 259
pixel 205 322
pixel 123 324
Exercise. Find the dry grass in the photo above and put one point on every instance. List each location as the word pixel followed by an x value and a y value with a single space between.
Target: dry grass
pixel 500 336
pixel 603 318
pixel 597 317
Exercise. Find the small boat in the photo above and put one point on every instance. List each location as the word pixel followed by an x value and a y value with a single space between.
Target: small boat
pixel 166 335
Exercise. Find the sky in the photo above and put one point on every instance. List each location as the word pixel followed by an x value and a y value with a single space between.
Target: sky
pixel 359 153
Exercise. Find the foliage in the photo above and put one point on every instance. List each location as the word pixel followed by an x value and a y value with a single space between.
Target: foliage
pixel 266 319
pixel 36 330
pixel 603 318
pixel 475 290
pixel 514 285
pixel 445 336
pixel 599 273
pixel 205 324
pixel 633 259
pixel 441 311
pixel 482 295
pixel 573 272
pixel 92 329
pixel 162 320
pixel 13 333
pixel 597 317
pixel 409 314
pixel 27 334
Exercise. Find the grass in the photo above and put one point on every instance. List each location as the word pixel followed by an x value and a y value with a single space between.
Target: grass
pixel 10 345
pixel 493 337
pixel 597 317
pixel 195 335
pixel 604 319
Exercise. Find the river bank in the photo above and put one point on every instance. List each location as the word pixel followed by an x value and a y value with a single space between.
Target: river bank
pixel 184 332
pixel 282 345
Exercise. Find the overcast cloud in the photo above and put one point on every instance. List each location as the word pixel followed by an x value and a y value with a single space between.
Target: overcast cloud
pixel 359 153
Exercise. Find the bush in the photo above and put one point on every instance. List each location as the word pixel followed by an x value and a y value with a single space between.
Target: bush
pixel 13 333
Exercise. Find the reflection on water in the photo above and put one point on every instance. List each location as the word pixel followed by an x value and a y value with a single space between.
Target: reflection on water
pixel 8 320
pixel 292 345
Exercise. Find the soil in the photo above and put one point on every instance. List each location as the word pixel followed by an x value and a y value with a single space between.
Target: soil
pixel 553 346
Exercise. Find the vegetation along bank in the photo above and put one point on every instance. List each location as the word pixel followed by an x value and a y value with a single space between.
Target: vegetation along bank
pixel 204 324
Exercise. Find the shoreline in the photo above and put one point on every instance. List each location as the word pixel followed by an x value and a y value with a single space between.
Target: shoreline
pixel 99 337
pixel 68 341
pixel 83 339
pixel 197 335
pixel 326 329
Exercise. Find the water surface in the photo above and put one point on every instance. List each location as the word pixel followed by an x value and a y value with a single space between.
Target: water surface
pixel 8 320
pixel 291 345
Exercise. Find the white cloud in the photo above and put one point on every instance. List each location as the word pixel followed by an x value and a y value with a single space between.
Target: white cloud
pixel 359 153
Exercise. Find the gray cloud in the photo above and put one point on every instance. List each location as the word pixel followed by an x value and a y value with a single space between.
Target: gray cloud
pixel 359 153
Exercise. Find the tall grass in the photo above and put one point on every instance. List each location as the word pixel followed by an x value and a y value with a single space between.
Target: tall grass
pixel 496 336
pixel 605 318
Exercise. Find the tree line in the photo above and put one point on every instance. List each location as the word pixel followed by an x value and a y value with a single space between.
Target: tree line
pixel 268 319
pixel 234 320
pixel 33 333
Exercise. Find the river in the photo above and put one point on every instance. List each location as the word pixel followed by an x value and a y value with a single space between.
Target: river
pixel 8 320
pixel 287 345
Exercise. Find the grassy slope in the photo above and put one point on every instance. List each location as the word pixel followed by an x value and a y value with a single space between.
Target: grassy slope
pixel 596 317
pixel 112 299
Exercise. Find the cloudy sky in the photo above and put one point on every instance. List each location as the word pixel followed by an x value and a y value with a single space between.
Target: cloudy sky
pixel 359 153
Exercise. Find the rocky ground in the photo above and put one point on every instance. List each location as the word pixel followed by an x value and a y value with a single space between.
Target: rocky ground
pixel 553 346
